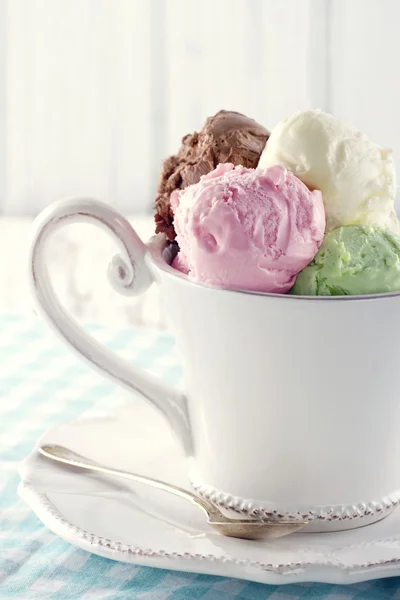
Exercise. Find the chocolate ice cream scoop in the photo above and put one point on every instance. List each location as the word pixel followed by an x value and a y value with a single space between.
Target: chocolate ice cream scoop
pixel 226 137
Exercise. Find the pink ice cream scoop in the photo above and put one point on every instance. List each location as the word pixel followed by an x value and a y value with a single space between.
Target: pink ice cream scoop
pixel 252 229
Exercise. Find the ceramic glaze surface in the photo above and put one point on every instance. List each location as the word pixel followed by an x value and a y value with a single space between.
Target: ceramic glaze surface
pixel 133 523
pixel 291 404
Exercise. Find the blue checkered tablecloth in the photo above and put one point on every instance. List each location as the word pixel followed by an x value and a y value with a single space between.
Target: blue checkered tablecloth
pixel 41 384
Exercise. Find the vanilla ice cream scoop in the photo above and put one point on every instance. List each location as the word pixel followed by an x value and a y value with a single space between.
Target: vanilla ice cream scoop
pixel 356 177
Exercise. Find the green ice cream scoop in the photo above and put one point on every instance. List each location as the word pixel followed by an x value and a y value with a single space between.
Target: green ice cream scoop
pixel 352 260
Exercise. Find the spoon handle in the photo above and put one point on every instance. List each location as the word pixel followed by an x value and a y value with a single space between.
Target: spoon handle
pixel 69 457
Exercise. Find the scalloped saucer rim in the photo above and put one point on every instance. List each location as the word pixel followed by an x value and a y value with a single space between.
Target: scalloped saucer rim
pixel 130 523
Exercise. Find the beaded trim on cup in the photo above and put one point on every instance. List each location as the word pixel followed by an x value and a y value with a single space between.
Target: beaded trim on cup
pixel 322 513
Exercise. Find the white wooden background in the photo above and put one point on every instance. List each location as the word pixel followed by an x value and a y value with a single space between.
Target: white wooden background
pixel 93 93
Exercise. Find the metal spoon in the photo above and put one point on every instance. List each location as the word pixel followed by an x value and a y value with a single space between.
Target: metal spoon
pixel 250 529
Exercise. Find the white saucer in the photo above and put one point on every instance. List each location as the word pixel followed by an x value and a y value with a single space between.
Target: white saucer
pixel 132 523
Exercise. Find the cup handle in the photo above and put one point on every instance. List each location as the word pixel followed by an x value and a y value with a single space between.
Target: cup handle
pixel 129 275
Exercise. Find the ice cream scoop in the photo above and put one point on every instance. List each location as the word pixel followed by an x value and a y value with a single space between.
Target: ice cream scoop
pixel 356 177
pixel 244 228
pixel 226 137
pixel 351 261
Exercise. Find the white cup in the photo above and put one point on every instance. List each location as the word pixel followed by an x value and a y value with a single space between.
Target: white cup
pixel 292 404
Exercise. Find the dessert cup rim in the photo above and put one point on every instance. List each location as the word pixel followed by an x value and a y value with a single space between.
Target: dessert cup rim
pixel 160 252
